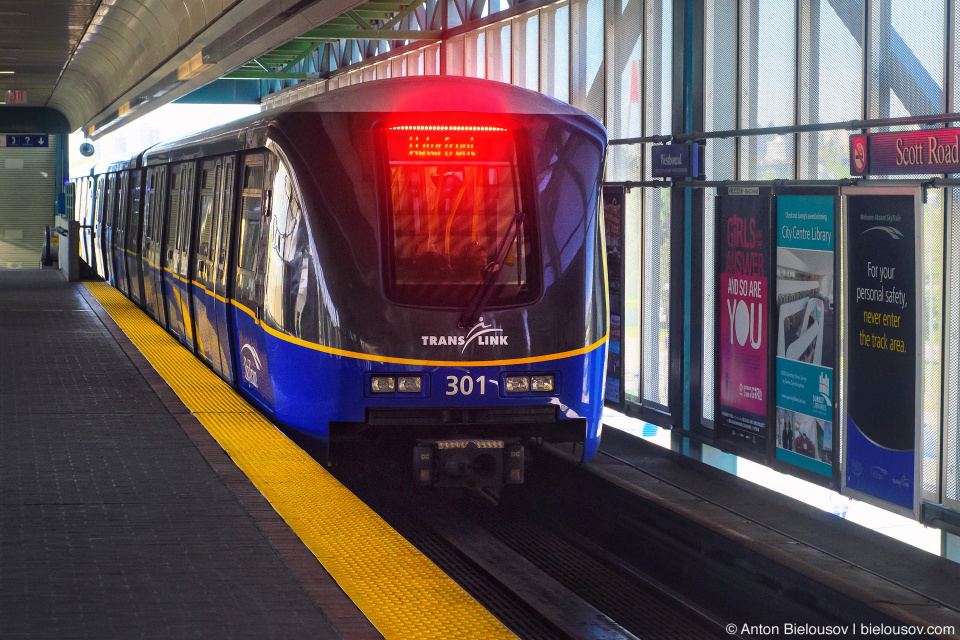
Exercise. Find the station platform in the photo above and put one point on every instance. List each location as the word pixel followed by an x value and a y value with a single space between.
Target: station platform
pixel 130 508
pixel 140 497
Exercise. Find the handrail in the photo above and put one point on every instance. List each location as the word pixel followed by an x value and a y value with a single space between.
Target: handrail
pixel 798 128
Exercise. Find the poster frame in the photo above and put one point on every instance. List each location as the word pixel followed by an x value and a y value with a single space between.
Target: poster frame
pixel 762 456
pixel 783 466
pixel 916 193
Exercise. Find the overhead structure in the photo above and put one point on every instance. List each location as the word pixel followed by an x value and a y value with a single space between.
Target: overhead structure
pixel 103 62
pixel 376 29
pixel 371 29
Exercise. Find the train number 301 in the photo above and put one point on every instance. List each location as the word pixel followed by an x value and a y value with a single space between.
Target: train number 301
pixel 465 386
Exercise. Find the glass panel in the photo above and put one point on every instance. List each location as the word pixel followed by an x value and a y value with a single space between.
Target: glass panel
pixel 555 45
pixel 498 53
pixel 656 295
pixel 475 55
pixel 720 85
pixel 415 64
pixel 173 221
pixel 656 212
pixel 250 217
pixel 450 220
pixel 632 299
pixel 767 77
pixel 659 68
pixel 831 86
pixel 709 291
pixel 455 57
pixel 209 175
pixel 226 223
pixel 587 59
pixel 526 52
pixel 431 61
pixel 290 302
pixel 906 58
pixel 951 444
pixel 932 340
pixel 624 78
pixel 133 212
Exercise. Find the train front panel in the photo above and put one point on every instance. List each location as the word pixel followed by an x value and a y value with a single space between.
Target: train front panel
pixel 463 300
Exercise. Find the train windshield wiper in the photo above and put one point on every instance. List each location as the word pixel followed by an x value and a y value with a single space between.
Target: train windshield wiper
pixel 470 315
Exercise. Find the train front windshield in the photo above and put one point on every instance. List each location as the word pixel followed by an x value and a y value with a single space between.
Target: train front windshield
pixel 454 196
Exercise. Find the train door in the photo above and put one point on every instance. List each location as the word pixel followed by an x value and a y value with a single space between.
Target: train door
pixel 109 223
pixel 171 258
pixel 253 222
pixel 79 214
pixel 99 226
pixel 204 296
pixel 82 215
pixel 224 229
pixel 185 241
pixel 152 242
pixel 134 213
pixel 120 232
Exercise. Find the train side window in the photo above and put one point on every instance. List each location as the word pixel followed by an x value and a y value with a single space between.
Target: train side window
pixel 186 216
pixel 209 178
pixel 149 209
pixel 249 273
pixel 133 212
pixel 291 296
pixel 172 256
pixel 110 214
pixel 226 220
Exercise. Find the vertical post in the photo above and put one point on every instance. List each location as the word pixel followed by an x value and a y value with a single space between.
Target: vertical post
pixel 686 277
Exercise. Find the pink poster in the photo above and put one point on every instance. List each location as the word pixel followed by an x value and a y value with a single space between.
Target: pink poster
pixel 743 314
pixel 743 345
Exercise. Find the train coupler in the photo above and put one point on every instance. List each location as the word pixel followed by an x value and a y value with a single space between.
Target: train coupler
pixel 468 463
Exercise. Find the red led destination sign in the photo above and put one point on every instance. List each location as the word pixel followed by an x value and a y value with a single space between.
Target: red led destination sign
pixel 905 153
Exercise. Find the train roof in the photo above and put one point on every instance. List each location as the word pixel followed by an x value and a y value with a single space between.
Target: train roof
pixel 421 94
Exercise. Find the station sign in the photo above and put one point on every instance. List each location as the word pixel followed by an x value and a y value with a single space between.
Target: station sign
pixel 677 161
pixel 25 140
pixel 905 152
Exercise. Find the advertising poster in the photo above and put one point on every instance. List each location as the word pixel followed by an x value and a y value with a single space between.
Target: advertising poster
pixel 743 336
pixel 805 331
pixel 881 405
pixel 613 198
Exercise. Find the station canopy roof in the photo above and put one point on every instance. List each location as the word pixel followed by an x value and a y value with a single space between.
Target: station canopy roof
pixel 101 63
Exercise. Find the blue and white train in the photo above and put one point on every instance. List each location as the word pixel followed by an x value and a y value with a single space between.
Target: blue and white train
pixel 409 260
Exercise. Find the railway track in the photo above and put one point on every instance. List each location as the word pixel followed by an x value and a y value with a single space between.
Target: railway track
pixel 537 574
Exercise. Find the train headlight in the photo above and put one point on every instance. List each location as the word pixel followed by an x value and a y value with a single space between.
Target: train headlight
pixel 409 384
pixel 517 384
pixel 382 384
pixel 541 383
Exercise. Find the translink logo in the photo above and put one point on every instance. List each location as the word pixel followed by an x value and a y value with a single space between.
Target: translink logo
pixel 482 334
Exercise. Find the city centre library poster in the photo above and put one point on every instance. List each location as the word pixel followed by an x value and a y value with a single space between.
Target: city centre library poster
pixel 806 331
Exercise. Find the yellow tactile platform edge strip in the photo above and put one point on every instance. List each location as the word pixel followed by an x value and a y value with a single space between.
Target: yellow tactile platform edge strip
pixel 402 593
